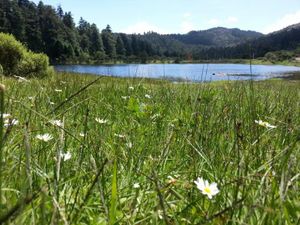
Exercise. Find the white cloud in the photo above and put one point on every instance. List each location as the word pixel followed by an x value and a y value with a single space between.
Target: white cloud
pixel 141 27
pixel 285 21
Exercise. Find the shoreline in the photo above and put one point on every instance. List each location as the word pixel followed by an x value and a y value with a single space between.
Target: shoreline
pixel 292 76
pixel 238 62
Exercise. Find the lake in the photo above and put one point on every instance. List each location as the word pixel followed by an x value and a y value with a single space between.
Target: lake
pixel 191 72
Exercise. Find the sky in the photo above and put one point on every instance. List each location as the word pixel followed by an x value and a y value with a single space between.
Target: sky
pixel 182 16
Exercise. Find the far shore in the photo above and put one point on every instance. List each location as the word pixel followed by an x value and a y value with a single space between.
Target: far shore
pixel 231 61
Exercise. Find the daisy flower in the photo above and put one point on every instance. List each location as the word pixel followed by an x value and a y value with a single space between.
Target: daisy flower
pixel 101 121
pixel 9 122
pixel 136 185
pixel 125 97
pixel 5 115
pixel 58 123
pixel 264 124
pixel 120 135
pixel 129 145
pixel 65 156
pixel 44 137
pixel 207 189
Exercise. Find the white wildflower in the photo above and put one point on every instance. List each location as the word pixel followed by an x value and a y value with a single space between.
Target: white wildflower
pixel 65 156
pixel 81 134
pixel 171 180
pixel 125 97
pixel 129 145
pixel 136 185
pixel 5 115
pixel 131 88
pixel 58 90
pixel 264 124
pixel 44 137
pixel 207 189
pixel 147 96
pixel 52 103
pixel 120 135
pixel 9 122
pixel 155 116
pixel 160 214
pixel 101 121
pixel 56 123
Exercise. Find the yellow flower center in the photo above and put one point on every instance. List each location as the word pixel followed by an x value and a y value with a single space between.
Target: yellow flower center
pixel 207 190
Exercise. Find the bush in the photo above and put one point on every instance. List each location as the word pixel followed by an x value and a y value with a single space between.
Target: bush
pixel 33 65
pixel 16 59
pixel 279 56
pixel 11 52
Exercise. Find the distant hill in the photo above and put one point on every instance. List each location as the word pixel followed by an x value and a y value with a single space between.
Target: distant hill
pixel 286 39
pixel 180 45
pixel 217 37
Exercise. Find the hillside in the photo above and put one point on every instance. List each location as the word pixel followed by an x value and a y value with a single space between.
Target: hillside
pixel 219 36
pixel 287 39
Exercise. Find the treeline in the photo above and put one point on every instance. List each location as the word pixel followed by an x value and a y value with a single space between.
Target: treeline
pixel 50 30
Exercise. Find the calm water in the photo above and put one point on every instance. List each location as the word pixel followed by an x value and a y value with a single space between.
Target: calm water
pixel 193 72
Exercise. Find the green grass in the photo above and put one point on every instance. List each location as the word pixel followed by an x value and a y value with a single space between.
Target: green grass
pixel 119 172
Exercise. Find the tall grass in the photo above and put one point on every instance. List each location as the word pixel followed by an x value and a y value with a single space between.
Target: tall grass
pixel 139 164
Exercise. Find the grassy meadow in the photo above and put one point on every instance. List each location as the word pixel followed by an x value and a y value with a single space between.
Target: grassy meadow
pixel 127 151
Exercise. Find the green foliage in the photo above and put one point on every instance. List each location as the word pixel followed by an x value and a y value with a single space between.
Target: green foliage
pixel 17 60
pixel 114 196
pixel 279 56
pixel 34 65
pixel 109 42
pixel 11 53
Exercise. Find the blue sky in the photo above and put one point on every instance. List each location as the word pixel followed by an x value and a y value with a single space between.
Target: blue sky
pixel 181 16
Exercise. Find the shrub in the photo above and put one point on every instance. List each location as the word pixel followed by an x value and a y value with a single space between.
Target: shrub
pixel 279 56
pixel 33 65
pixel 11 52
pixel 16 59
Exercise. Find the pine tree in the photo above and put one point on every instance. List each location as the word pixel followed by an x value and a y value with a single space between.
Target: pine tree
pixel 60 12
pixel 96 47
pixel 109 42
pixel 127 44
pixel 120 48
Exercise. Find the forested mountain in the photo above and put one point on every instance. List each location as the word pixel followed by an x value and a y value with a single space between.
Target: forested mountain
pixel 50 30
pixel 287 39
pixel 216 37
